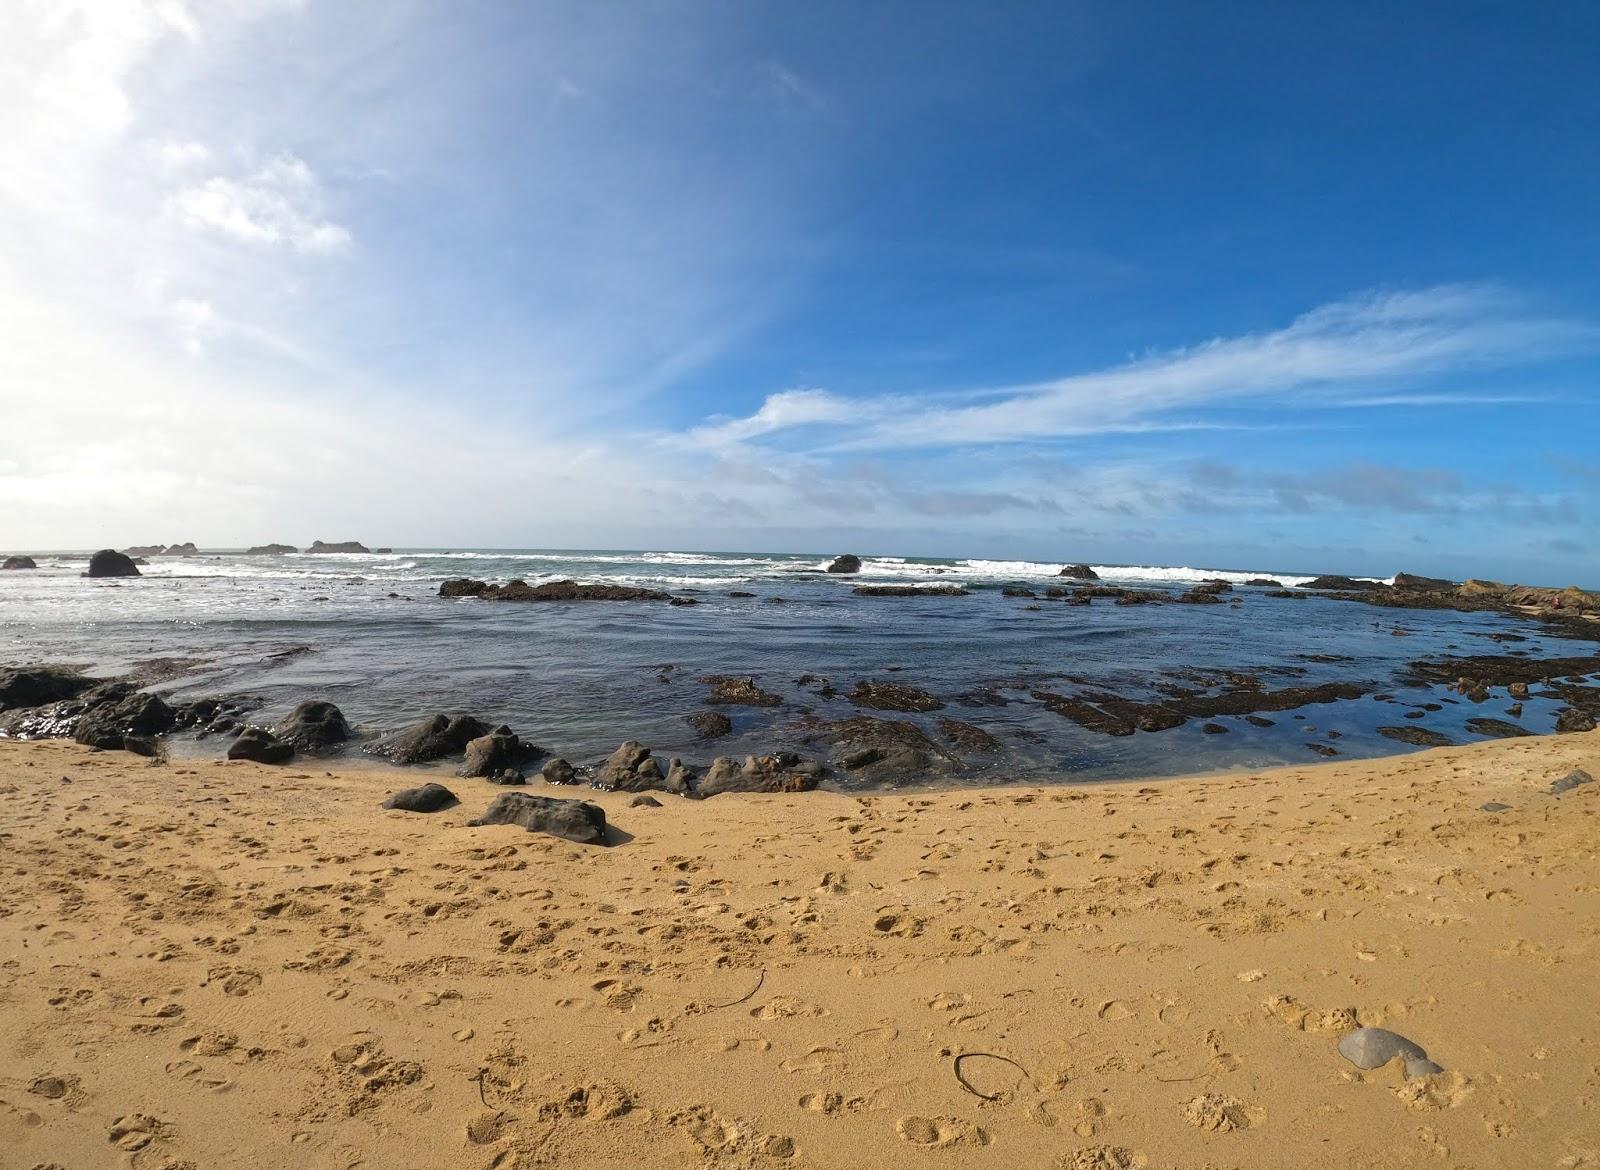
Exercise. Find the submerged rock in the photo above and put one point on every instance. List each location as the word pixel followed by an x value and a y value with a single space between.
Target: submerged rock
pixel 18 562
pixel 1421 736
pixel 1498 728
pixel 847 563
pixel 425 799
pixel 430 739
pixel 964 737
pixel 892 696
pixel 549 591
pixel 313 726
pixel 885 750
pixel 260 745
pixel 738 691
pixel 709 724
pixel 1334 581
pixel 910 591
pixel 108 562
pixel 572 820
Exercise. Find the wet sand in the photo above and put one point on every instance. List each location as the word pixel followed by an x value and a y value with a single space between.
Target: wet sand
pixel 231 965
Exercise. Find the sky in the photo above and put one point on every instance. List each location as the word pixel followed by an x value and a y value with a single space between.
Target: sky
pixel 1256 285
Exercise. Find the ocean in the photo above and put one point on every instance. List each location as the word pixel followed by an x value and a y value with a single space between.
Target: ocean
pixel 369 632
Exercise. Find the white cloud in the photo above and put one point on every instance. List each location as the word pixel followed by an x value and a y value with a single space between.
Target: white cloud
pixel 279 203
pixel 781 411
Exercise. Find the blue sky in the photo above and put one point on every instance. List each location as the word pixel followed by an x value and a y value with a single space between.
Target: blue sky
pixel 1253 285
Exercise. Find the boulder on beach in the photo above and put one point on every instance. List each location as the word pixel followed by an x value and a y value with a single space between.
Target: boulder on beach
pixel 846 563
pixel 430 739
pixel 313 726
pixel 631 768
pixel 18 562
pixel 338 546
pixel 892 696
pixel 496 753
pixel 1079 572
pixel 778 772
pixel 424 799
pixel 271 550
pixel 260 745
pixel 107 725
pixel 558 771
pixel 572 820
pixel 108 562
pixel 731 690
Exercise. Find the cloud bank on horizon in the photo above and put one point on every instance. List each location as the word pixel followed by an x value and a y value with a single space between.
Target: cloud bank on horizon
pixel 1111 286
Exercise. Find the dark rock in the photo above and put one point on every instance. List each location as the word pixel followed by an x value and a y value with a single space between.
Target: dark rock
pixel 1199 595
pixel 499 751
pixel 1518 690
pixel 631 768
pixel 338 546
pixel 1288 593
pixel 1349 584
pixel 683 601
pixel 885 751
pixel 383 551
pixel 426 799
pixel 1080 572
pixel 709 724
pixel 738 691
pixel 1573 779
pixel 1264 583
pixel 1502 670
pixel 558 771
pixel 107 725
pixel 271 550
pixel 1323 749
pixel 964 737
pixel 1139 596
pixel 1260 721
pixel 848 563
pixel 314 726
pixel 780 772
pixel 910 591
pixel 891 696
pixel 1213 729
pixel 108 562
pixel 186 549
pixel 142 745
pixel 430 739
pixel 1017 591
pixel 33 686
pixel 1085 714
pixel 18 562
pixel 1498 728
pixel 1245 701
pixel 1213 585
pixel 644 800
pixel 573 820
pixel 260 745
pixel 549 591
pixel 1570 720
pixel 1421 736
pixel 1424 584
pixel 464 587
pixel 511 777
pixel 740 593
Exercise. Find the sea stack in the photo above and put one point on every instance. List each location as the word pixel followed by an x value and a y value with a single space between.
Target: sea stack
pixel 108 562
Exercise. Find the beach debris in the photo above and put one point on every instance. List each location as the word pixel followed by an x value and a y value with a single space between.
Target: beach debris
pixel 963 1057
pixel 495 754
pixel 709 724
pixel 427 798
pixel 893 696
pixel 746 997
pixel 1370 1048
pixel 731 690
pixel 260 745
pixel 314 725
pixel 845 563
pixel 429 739
pixel 572 820
pixel 1570 781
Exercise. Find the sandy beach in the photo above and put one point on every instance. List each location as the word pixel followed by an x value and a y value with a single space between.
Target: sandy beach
pixel 227 965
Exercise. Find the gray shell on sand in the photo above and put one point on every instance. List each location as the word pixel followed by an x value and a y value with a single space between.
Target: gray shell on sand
pixel 1369 1048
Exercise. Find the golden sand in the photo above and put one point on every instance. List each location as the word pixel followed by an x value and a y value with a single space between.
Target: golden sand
pixel 227 965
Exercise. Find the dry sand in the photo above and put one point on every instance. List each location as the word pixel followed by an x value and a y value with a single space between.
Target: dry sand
pixel 228 965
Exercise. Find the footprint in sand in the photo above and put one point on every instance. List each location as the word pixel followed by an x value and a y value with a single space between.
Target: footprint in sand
pixel 817 1060
pixel 135 1131
pixel 784 1007
pixel 1217 1113
pixel 939 1132
pixel 1114 1009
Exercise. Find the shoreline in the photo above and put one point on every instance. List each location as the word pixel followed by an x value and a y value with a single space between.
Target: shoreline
pixel 242 965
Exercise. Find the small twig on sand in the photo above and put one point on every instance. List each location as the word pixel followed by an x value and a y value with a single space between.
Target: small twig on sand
pixel 1182 1080
pixel 482 1072
pixel 745 996
pixel 967 1085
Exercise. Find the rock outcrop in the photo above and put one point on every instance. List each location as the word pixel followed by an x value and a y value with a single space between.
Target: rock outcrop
pixel 910 591
pixel 430 739
pixel 631 768
pixel 18 562
pixel 892 696
pixel 34 686
pixel 572 820
pixel 338 546
pixel 549 591
pixel 731 690
pixel 314 726
pixel 1347 584
pixel 108 724
pixel 885 751
pixel 779 772
pixel 1079 572
pixel 271 550
pixel 260 745
pixel 496 753
pixel 709 724
pixel 847 563
pixel 108 562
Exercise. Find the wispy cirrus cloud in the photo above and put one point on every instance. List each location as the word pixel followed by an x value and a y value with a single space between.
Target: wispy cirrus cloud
pixel 1335 355
pixel 279 203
